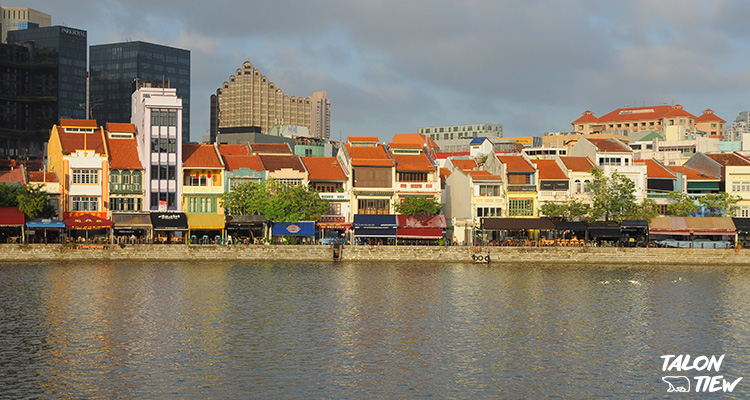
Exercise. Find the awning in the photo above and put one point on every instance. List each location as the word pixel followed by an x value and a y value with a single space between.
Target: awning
pixel 11 216
pixel 634 224
pixel 575 226
pixel 419 233
pixel 45 223
pixel 87 221
pixel 169 221
pixel 205 221
pixel 692 226
pixel 375 232
pixel 306 228
pixel 246 220
pixel 517 223
pixel 604 232
pixel 420 226
pixel 131 220
pixel 381 221
pixel 333 225
pixel 741 224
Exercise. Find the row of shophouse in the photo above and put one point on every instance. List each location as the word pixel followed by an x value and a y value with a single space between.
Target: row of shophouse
pixel 156 188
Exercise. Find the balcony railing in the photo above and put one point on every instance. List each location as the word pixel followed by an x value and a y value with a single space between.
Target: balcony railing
pixel 126 188
pixel 522 188
pixel 334 196
pixel 417 186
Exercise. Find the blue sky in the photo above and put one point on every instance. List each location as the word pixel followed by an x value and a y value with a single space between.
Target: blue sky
pixel 392 66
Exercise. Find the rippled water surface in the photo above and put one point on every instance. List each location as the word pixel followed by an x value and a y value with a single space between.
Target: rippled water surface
pixel 364 330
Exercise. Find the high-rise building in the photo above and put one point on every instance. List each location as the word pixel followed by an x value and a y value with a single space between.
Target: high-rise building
pixel 249 99
pixel 456 138
pixel 18 18
pixel 739 127
pixel 157 116
pixel 115 67
pixel 28 104
pixel 69 46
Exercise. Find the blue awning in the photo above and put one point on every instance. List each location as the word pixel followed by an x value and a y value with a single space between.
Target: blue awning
pixel 45 223
pixel 306 228
pixel 375 232
pixel 381 221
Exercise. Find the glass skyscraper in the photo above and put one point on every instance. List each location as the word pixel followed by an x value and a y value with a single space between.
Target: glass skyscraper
pixel 116 67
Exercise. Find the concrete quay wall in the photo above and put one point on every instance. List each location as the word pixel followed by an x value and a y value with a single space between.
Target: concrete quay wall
pixel 14 253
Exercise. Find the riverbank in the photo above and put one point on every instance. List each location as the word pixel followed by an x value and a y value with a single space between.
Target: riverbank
pixel 15 253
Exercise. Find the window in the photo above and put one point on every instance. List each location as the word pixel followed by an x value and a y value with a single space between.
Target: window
pixel 334 208
pixel 327 187
pixel 373 206
pixel 412 177
pixel 742 212
pixel 125 204
pixel 83 203
pixel 578 187
pixel 86 176
pixel 289 181
pixel 519 179
pixel 202 205
pixel 490 190
pixel 520 208
pixel 192 180
pixel 489 212
pixel 739 186
pixel 233 182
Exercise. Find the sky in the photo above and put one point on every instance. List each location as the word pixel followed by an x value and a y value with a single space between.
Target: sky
pixel 393 66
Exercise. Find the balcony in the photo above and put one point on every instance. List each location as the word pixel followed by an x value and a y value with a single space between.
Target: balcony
pixel 203 189
pixel 553 195
pixel 417 187
pixel 522 188
pixel 126 188
pixel 334 196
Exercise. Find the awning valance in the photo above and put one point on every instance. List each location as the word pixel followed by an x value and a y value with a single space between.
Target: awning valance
pixel 421 221
pixel 381 221
pixel 305 228
pixel 45 223
pixel 11 216
pixel 569 226
pixel 419 233
pixel 246 219
pixel 169 221
pixel 333 225
pixel 517 223
pixel 741 224
pixel 205 221
pixel 375 232
pixel 131 220
pixel 87 221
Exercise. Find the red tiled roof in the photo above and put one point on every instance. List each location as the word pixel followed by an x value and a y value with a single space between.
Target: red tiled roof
pixel 708 115
pixel 12 176
pixel 730 159
pixel 72 142
pixel 275 163
pixel 324 169
pixel 587 117
pixel 678 111
pixel 444 155
pixel 691 174
pixel 123 153
pixel 281 148
pixel 641 113
pixel 655 169
pixel 484 176
pixel 78 123
pixel 444 173
pixel 121 128
pixel 549 170
pixel 234 149
pixel 610 145
pixel 235 162
pixel 464 164
pixel 363 156
pixel 578 164
pixel 413 162
pixel 408 141
pixel 516 164
pixel 41 176
pixel 200 156
pixel 370 139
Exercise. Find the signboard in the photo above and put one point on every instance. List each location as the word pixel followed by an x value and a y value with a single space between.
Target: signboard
pixel 306 228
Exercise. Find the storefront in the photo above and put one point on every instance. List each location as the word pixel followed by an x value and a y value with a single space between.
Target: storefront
pixel 375 229
pixel 603 233
pixel 132 228
pixel 169 227
pixel 514 231
pixel 246 229
pixel 420 229
pixel 293 232
pixel 206 228
pixel 45 231
pixel 88 228
pixel 692 232
pixel 11 225
pixel 333 229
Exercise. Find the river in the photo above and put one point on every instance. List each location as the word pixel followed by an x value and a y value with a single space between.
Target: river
pixel 365 330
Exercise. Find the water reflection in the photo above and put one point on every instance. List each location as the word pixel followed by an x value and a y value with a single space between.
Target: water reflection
pixel 362 330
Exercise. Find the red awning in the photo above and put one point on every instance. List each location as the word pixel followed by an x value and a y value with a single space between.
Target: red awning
pixel 11 216
pixel 87 221
pixel 333 225
pixel 419 233
pixel 421 221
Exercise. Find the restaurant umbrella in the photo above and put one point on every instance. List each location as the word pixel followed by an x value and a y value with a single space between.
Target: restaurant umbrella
pixel 87 222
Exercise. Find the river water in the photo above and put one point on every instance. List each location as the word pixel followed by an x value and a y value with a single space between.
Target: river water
pixel 365 330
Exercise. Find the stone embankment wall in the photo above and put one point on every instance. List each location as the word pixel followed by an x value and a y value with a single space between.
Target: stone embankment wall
pixel 434 254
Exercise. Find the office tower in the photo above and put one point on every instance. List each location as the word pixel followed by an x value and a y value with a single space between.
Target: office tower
pixel 456 138
pixel 69 45
pixel 115 67
pixel 18 18
pixel 28 100
pixel 157 116
pixel 249 99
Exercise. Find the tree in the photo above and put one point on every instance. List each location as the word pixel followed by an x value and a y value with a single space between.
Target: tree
pixel 246 199
pixel 34 202
pixel 614 199
pixel 682 205
pixel 573 210
pixel 419 205
pixel 278 202
pixel 719 204
pixel 9 194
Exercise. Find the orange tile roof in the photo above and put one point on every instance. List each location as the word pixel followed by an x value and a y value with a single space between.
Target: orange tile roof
pixel 405 145
pixel 78 123
pixel 444 173
pixel 578 164
pixel 464 164
pixel 324 169
pixel 484 176
pixel 413 162
pixel 41 176
pixel 235 162
pixel 587 117
pixel 362 156
pixel 276 163
pixel 371 139
pixel 120 127
pixel 708 115
pixel 678 111
pixel 549 170
pixel 200 156
pixel 691 174
pixel 655 169
pixel 72 142
pixel 730 159
pixel 610 145
pixel 12 176
pixel 123 153
pixel 234 149
pixel 640 113
pixel 282 148
pixel 409 141
pixel 516 164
